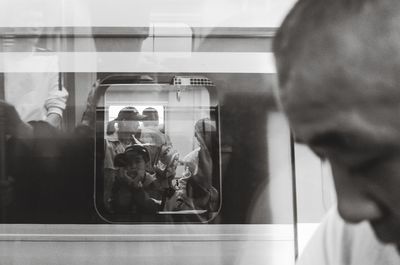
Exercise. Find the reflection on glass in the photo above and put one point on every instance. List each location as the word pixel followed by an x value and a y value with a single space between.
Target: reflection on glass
pixel 37 95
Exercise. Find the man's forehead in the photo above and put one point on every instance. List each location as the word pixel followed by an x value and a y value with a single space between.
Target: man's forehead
pixel 337 63
pixel 320 84
pixel 377 123
pixel 307 97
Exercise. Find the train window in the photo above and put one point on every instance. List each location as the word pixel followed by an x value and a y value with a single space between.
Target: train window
pixel 160 160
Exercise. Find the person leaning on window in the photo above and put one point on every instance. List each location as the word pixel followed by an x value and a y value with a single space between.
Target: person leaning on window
pixel 132 186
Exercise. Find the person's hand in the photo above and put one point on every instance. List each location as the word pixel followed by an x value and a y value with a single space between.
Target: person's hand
pixel 156 201
pixel 133 179
pixel 11 123
pixel 54 119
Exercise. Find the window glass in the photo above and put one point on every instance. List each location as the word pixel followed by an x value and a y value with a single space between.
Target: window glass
pixel 161 151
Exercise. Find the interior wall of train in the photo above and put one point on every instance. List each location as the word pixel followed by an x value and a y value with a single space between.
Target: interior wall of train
pixel 271 193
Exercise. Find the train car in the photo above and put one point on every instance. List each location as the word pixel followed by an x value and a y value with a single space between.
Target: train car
pixel 188 62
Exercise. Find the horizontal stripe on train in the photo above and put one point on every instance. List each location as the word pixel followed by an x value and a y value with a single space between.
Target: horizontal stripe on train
pixel 142 62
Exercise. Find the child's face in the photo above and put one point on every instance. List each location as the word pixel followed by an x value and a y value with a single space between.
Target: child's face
pixel 136 169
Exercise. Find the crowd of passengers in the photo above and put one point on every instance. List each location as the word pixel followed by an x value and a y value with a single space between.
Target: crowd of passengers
pixel 140 167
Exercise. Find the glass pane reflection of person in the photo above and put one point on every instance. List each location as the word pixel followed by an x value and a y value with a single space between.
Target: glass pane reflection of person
pixel 37 93
pixel 37 96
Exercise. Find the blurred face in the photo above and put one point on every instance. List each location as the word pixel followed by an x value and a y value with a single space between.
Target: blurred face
pixel 136 170
pixel 128 127
pixel 356 129
pixel 150 123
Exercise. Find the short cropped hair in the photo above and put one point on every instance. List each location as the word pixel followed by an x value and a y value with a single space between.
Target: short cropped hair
pixel 313 33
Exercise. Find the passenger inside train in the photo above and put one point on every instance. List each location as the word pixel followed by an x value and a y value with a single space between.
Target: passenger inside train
pixel 196 189
pixel 126 127
pixel 38 95
pixel 157 142
pixel 133 188
pixel 151 133
pixel 133 185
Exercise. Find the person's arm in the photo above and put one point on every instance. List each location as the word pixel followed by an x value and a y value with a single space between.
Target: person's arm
pixel 56 101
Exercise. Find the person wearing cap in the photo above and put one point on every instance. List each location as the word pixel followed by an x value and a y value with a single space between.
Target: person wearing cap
pixel 162 155
pixel 151 133
pixel 127 126
pixel 132 186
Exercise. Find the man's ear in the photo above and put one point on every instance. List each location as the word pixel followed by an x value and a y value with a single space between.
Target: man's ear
pixel 120 160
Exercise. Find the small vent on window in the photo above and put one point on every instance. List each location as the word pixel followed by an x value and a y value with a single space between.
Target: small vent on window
pixel 191 81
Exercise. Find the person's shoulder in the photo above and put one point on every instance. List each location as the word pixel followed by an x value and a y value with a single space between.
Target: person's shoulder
pixel 338 242
pixel 113 144
pixel 192 155
pixel 366 248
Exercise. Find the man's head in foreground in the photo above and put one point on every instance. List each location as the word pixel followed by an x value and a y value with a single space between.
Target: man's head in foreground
pixel 339 75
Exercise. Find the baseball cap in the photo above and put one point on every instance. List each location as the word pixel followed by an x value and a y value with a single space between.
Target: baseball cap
pixel 129 114
pixel 138 149
pixel 150 114
pixel 123 159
